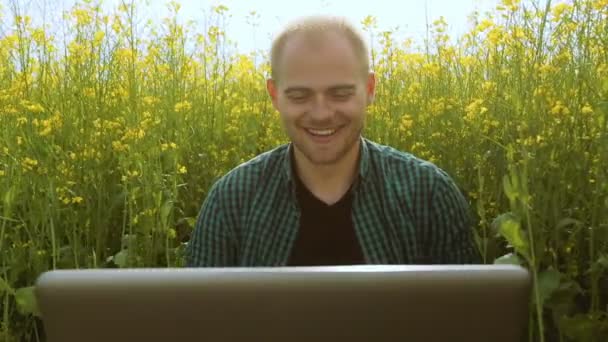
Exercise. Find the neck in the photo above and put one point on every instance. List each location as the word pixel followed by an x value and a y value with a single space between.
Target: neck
pixel 331 181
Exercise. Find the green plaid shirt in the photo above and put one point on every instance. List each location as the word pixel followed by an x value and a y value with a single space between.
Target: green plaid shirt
pixel 405 211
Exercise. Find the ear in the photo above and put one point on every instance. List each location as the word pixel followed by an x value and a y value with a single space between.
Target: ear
pixel 370 88
pixel 271 86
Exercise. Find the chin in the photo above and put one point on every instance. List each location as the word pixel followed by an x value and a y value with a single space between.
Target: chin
pixel 329 155
pixel 323 160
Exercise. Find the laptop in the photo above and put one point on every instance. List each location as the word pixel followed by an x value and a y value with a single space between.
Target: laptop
pixel 412 303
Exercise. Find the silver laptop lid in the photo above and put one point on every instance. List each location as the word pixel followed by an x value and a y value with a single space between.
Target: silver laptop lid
pixel 342 303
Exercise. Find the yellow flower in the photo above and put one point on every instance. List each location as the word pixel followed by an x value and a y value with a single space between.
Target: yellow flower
pixel 182 106
pixel 116 24
pixel 77 199
pixel 28 164
pixel 560 108
pixel 512 5
pixel 587 109
pixel 560 10
pixel 468 61
pixel 475 108
pixel 88 92
pixel 98 38
pixel 489 86
pixel 182 169
pixel 21 121
pixel 133 174
pixel 496 35
pixel 406 124
pixel 484 25
pixel 2 173
pixel 171 233
pixel 47 128
pixel 35 108
pixel 83 17
pixel 600 4
pixel 119 146
pixel 150 100
pixel 165 146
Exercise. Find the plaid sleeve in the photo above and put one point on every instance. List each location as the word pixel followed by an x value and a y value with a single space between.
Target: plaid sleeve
pixel 452 240
pixel 211 244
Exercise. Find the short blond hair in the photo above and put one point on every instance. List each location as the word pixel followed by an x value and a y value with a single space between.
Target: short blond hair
pixel 317 26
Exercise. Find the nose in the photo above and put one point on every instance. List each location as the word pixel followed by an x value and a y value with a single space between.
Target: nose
pixel 321 108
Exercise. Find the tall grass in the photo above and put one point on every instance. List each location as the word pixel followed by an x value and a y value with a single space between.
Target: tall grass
pixel 112 132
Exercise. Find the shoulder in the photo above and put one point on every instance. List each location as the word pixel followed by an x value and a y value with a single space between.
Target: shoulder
pixel 392 162
pixel 247 176
pixel 406 171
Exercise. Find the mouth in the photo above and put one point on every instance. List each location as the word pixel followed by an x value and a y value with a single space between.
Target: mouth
pixel 323 135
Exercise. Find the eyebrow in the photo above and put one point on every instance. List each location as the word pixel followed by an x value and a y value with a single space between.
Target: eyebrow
pixel 332 88
pixel 296 89
pixel 342 87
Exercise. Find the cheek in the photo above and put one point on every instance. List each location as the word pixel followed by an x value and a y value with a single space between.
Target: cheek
pixel 290 111
pixel 290 115
pixel 354 109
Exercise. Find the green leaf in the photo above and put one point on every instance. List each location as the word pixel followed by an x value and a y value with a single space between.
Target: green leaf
pixel 508 259
pixel 508 188
pixel 497 222
pixel 599 265
pixel 548 282
pixel 4 287
pixel 563 299
pixel 26 301
pixel 510 229
pixel 566 222
pixel 165 210
pixel 120 259
pixel 580 327
pixel 603 261
pixel 128 240
pixel 9 197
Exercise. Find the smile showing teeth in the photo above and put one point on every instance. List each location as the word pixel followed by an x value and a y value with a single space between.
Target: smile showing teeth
pixel 323 132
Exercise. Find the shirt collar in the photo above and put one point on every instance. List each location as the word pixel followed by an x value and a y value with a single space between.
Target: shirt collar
pixel 288 167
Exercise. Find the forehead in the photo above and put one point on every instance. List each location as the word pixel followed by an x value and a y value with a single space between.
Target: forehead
pixel 318 61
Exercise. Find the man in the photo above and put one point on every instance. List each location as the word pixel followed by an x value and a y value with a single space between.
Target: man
pixel 330 196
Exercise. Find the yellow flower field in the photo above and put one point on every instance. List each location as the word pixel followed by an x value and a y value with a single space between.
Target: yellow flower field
pixel 110 140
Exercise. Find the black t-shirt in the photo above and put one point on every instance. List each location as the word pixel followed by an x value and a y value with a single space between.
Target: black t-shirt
pixel 326 235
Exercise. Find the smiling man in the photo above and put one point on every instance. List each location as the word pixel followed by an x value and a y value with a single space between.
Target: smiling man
pixel 330 196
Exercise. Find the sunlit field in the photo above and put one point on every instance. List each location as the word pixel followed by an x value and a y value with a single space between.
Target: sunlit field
pixel 110 138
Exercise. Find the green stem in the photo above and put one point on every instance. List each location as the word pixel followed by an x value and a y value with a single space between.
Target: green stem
pixel 75 246
pixel 36 331
pixel 538 304
pixel 167 250
pixel 595 298
pixel 2 233
pixel 5 317
pixel 53 244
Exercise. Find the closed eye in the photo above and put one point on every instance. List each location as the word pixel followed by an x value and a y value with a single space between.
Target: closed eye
pixel 297 95
pixel 342 95
pixel 298 98
pixel 342 92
